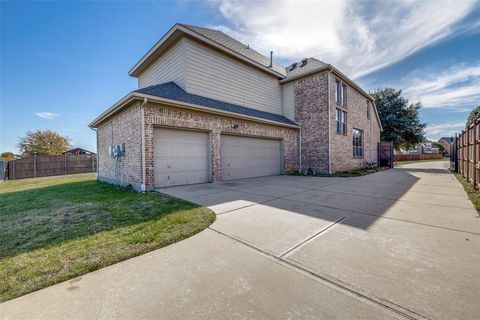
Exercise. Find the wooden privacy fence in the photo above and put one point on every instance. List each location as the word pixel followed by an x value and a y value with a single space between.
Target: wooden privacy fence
pixel 421 156
pixel 43 166
pixel 467 150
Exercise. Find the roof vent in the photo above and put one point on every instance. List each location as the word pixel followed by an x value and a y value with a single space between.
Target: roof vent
pixel 292 67
pixel 304 63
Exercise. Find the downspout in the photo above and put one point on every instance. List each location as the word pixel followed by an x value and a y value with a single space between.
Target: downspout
pixel 329 129
pixel 300 149
pixel 144 174
pixel 371 133
pixel 98 153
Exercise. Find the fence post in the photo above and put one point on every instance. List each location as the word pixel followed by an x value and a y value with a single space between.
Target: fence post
pixel 65 163
pixel 13 169
pixel 34 165
pixel 93 164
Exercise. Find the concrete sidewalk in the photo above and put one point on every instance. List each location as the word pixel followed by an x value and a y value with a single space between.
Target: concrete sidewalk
pixel 399 244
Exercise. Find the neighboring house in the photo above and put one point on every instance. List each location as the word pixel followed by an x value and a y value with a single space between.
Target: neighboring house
pixel 209 108
pixel 78 151
pixel 427 147
pixel 446 142
pixel 421 148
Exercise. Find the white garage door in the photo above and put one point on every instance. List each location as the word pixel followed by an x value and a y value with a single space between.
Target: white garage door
pixel 244 157
pixel 180 157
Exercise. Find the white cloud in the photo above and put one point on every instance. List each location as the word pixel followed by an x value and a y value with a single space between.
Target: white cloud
pixel 435 131
pixel 47 115
pixel 456 88
pixel 358 37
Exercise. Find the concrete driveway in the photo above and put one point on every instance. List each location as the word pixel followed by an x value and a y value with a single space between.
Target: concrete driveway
pixel 398 244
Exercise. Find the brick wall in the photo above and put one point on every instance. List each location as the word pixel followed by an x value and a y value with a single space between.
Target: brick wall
pixel 311 111
pixel 157 115
pixel 342 145
pixel 123 128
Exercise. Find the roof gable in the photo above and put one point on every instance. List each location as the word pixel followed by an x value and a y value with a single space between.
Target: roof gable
pixel 304 67
pixel 213 38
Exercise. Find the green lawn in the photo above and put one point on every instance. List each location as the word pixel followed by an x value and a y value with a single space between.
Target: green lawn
pixel 473 194
pixel 57 228
pixel 420 161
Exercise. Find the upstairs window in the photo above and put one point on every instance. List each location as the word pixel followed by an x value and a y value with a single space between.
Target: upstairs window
pixel 340 93
pixel 368 110
pixel 357 136
pixel 341 121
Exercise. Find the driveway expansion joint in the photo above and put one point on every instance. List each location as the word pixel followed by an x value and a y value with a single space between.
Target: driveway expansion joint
pixel 386 306
pixel 414 222
pixel 307 240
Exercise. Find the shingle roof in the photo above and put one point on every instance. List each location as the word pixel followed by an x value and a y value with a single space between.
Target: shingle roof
pixel 170 90
pixel 235 45
pixel 445 138
pixel 304 66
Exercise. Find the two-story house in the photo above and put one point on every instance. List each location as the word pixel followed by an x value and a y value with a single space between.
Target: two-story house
pixel 209 108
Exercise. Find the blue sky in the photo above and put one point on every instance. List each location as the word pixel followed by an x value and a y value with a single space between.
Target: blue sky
pixel 63 63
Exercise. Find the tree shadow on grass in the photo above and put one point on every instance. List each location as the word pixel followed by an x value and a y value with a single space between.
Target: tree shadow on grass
pixel 43 217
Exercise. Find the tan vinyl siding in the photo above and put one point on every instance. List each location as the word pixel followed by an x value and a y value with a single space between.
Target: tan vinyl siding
pixel 288 99
pixel 217 76
pixel 170 67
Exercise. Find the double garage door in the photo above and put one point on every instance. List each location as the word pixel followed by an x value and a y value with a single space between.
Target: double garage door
pixel 183 157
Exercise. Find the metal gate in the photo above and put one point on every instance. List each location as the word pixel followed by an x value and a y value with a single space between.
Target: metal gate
pixel 385 154
pixel 454 155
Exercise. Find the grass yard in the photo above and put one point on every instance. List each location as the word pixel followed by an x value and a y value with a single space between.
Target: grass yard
pixel 473 194
pixel 57 228
pixel 399 163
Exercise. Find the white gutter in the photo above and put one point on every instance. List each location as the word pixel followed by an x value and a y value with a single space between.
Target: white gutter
pixel 144 174
pixel 118 105
pixel 300 150
pixel 98 153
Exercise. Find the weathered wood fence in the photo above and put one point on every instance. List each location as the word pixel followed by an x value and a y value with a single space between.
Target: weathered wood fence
pixel 422 156
pixel 43 166
pixel 467 151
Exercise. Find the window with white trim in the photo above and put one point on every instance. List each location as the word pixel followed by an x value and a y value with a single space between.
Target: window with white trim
pixel 340 93
pixel 368 110
pixel 341 121
pixel 357 136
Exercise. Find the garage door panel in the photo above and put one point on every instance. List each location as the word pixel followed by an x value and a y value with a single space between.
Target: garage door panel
pixel 180 157
pixel 244 157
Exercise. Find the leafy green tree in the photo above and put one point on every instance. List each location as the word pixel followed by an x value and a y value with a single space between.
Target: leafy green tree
pixel 43 143
pixel 474 115
pixel 7 156
pixel 400 119
pixel 440 147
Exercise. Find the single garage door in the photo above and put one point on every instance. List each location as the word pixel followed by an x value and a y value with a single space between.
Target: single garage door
pixel 245 157
pixel 180 157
